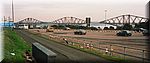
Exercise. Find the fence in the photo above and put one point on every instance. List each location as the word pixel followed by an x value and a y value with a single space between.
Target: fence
pixel 116 50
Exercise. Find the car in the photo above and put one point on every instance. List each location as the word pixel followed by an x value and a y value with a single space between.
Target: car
pixel 142 29
pixel 124 33
pixel 66 28
pixel 80 32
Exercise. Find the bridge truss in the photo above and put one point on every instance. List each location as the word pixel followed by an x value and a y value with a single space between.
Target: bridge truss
pixel 123 19
pixel 29 21
pixel 69 20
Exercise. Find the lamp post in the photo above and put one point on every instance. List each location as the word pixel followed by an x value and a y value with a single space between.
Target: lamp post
pixel 13 16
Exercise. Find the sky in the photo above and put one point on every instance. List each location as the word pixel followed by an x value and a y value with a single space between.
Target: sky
pixel 50 10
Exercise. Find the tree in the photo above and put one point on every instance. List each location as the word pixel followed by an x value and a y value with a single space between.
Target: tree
pixel 99 28
pixel 127 27
pixel 93 28
pixel 141 25
pixel 111 28
pixel 45 27
pixel 106 28
pixel 137 25
pixel 119 28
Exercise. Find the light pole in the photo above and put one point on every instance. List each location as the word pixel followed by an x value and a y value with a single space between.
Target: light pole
pixel 105 17
pixel 12 10
pixel 13 14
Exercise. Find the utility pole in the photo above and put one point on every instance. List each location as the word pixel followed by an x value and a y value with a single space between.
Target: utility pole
pixel 13 16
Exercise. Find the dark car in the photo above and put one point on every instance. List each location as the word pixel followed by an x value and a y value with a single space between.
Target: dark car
pixel 124 33
pixel 80 32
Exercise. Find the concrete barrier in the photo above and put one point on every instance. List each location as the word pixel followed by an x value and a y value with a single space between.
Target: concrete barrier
pixel 42 55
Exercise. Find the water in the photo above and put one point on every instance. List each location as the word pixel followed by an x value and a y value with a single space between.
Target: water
pixel 101 25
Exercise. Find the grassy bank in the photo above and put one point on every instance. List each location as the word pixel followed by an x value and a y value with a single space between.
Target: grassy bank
pixel 13 43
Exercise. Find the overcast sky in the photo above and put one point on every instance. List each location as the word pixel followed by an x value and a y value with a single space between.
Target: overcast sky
pixel 50 10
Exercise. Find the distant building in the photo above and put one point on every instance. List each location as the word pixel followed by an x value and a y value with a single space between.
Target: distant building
pixel 7 24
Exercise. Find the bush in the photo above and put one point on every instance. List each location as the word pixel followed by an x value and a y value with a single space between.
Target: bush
pixel 127 27
pixel 58 26
pixel 45 27
pixel 111 28
pixel 119 28
pixel 93 28
pixel 16 44
pixel 99 28
pixel 106 28
pixel 142 25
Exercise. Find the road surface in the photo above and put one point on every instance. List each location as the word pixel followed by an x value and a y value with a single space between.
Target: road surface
pixel 64 54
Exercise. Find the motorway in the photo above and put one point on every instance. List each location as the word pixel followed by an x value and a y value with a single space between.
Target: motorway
pixel 135 44
pixel 64 53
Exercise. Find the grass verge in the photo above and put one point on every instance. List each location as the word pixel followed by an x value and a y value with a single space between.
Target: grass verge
pixel 13 43
pixel 114 59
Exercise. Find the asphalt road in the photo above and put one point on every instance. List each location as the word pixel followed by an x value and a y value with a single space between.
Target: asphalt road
pixel 64 54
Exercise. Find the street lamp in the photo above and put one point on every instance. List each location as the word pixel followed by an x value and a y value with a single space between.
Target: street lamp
pixel 12 10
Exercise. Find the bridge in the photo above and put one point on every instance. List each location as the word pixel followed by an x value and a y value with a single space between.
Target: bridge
pixel 123 19
pixel 29 21
pixel 69 20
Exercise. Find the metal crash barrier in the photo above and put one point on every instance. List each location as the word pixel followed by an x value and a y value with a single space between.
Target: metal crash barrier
pixel 42 55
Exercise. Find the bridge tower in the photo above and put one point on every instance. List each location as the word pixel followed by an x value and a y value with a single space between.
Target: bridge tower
pixel 88 21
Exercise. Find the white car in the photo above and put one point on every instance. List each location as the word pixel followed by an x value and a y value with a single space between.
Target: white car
pixel 80 32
